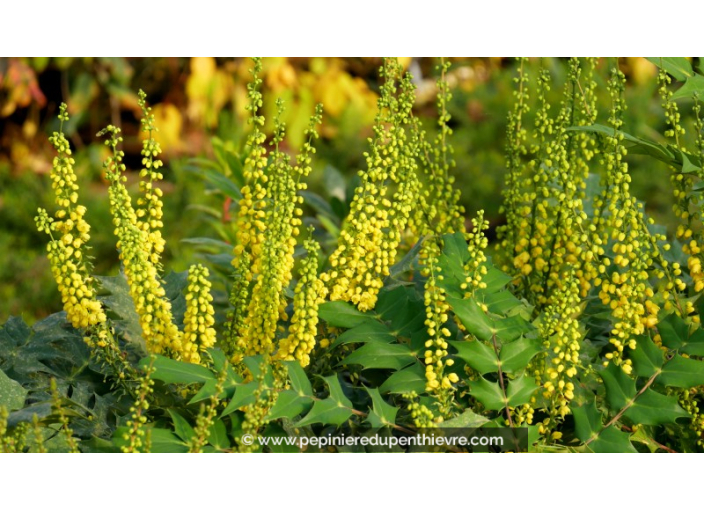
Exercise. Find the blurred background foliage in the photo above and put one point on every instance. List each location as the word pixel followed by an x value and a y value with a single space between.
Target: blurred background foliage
pixel 199 108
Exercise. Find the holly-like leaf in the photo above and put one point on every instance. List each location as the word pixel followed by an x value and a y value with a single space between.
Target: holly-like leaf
pixel 647 357
pixel 679 67
pixel 378 355
pixel 612 440
pixel 467 420
pixel 382 414
pixel 370 331
pixel 472 317
pixel 12 394
pixel 171 371
pixel 488 393
pixel 652 408
pixel 116 297
pixel 587 421
pixel 682 372
pixel 520 390
pixel 516 355
pixel 218 436
pixel 620 389
pixel 182 428
pixel 673 331
pixel 477 355
pixel 299 380
pixel 289 404
pixel 342 314
pixel 334 410
pixel 409 379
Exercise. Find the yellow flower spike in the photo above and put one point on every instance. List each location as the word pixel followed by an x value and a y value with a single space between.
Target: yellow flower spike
pixel 198 333
pixel 154 310
pixel 309 293
pixel 71 271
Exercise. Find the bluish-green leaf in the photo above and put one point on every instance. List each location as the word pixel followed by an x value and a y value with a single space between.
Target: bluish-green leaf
pixel 12 394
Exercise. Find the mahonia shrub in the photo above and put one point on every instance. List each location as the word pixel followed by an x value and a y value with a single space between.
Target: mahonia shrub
pixel 390 312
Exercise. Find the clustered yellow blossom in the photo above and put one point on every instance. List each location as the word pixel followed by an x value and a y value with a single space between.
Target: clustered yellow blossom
pixel 436 315
pixel 619 220
pixel 268 224
pixel 369 240
pixel 198 321
pixel 561 335
pixel 438 211
pixel 309 293
pixel 149 210
pixel 544 231
pixel 475 268
pixel 153 308
pixel 67 251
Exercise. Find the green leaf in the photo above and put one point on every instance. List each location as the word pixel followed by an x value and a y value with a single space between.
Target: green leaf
pixel 488 393
pixel 181 427
pixel 477 355
pixel 472 317
pixel 342 314
pixel 406 263
pixel 682 372
pixel 377 355
pixel 382 414
pixel 275 430
pixel 334 410
pixel 406 380
pixel 299 379
pixel 652 408
pixel 673 331
pixel 520 390
pixel 219 181
pixel 165 441
pixel 620 389
pixel 612 440
pixel 244 395
pixel 119 301
pixel 647 357
pixel 218 436
pixel 370 331
pixel 12 394
pixel 695 343
pixel 679 67
pixel 516 355
pixel 467 420
pixel 179 372
pixel 289 404
pixel 587 421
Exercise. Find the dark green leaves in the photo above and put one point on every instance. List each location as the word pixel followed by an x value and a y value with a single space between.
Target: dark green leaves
pixel 682 373
pixel 334 410
pixel 477 355
pixel 12 394
pixel 381 355
pixel 341 314
pixel 172 371
pixel 518 392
